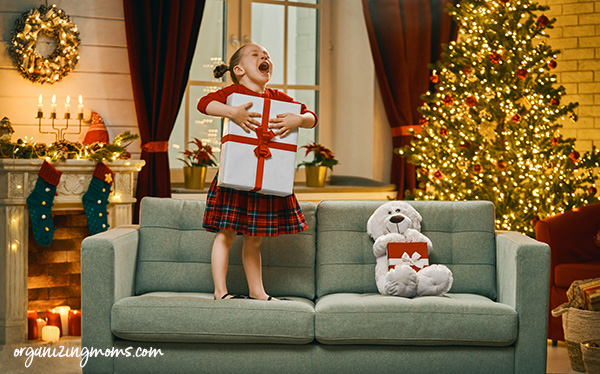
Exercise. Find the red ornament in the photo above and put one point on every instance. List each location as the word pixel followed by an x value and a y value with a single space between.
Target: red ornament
pixel 471 101
pixel 552 64
pixel 423 122
pixel 522 73
pixel 438 175
pixel 501 165
pixel 465 144
pixel 534 220
pixel 555 101
pixel 434 78
pixel 574 156
pixel 466 69
pixel 554 141
pixel 448 100
pixel 444 131
pixel 495 57
pixel 543 21
pixel 503 2
pixel 477 168
pixel 592 190
pixel 516 118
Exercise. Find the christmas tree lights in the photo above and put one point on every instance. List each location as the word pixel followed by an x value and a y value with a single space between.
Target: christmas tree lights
pixel 491 127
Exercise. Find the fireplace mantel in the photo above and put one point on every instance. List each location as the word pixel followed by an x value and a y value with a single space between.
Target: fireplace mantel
pixel 17 180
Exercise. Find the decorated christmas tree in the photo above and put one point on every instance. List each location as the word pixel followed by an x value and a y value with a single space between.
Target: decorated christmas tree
pixel 491 126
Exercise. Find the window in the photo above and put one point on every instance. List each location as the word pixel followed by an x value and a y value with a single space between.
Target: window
pixel 288 29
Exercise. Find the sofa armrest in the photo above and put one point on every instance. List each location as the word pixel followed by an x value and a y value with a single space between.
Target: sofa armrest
pixel 108 262
pixel 523 275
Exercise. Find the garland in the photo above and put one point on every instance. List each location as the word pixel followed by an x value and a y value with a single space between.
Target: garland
pixel 64 149
pixel 54 23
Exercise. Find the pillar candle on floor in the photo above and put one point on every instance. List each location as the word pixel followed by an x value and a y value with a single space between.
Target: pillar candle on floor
pixel 32 330
pixel 74 323
pixel 40 325
pixel 53 318
pixel 64 319
pixel 50 333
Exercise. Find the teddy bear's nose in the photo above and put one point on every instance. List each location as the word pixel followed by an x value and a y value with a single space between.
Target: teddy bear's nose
pixel 397 219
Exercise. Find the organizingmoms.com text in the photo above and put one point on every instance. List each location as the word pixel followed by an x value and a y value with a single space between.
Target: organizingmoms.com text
pixel 83 352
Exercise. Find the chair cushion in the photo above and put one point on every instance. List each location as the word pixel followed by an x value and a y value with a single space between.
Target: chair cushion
pixel 565 274
pixel 452 319
pixel 174 253
pixel 196 317
pixel 462 233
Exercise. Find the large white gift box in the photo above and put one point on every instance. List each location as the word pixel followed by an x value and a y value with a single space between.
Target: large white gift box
pixel 258 161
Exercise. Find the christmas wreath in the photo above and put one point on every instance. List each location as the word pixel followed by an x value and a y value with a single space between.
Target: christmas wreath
pixel 51 22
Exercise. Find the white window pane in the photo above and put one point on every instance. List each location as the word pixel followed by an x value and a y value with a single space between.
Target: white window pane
pixel 177 141
pixel 302 46
pixel 210 46
pixel 267 30
pixel 305 1
pixel 206 128
pixel 305 136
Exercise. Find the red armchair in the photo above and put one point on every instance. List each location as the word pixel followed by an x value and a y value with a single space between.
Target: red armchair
pixel 573 254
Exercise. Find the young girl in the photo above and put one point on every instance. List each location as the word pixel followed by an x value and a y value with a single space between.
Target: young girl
pixel 230 212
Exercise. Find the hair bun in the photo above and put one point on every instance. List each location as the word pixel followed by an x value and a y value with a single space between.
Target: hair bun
pixel 220 70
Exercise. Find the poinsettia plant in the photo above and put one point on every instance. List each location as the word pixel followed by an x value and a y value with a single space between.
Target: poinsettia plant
pixel 201 156
pixel 323 156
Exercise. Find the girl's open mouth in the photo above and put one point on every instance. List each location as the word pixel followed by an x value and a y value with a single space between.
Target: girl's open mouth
pixel 264 67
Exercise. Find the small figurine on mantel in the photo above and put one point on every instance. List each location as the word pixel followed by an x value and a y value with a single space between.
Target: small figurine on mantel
pixel 6 129
pixel 97 132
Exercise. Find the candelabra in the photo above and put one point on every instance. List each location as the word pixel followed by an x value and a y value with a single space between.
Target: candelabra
pixel 59 132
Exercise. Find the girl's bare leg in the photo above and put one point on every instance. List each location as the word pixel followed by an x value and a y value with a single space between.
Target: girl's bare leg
pixel 220 261
pixel 253 266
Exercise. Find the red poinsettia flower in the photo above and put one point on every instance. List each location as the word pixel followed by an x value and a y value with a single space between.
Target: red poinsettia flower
pixel 201 156
pixel 477 168
pixel 495 57
pixel 516 118
pixel 444 131
pixel 471 101
pixel 555 101
pixel 543 21
pixel 434 78
pixel 554 141
pixel 552 64
pixel 323 156
pixel 448 100
pixel 522 73
pixel 574 156
pixel 438 175
pixel 467 69
pixel 423 121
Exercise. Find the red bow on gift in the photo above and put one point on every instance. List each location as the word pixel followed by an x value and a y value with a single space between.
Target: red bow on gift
pixel 264 137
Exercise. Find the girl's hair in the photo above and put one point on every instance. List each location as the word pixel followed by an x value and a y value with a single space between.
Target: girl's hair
pixel 235 59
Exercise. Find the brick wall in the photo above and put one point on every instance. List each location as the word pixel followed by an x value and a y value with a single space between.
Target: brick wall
pixel 54 275
pixel 577 35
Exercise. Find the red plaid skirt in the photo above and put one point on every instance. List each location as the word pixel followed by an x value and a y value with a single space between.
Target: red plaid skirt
pixel 251 213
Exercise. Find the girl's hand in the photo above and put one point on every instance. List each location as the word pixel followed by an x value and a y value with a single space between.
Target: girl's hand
pixel 286 122
pixel 244 118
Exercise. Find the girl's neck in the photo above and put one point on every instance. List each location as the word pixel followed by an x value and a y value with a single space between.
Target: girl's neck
pixel 254 86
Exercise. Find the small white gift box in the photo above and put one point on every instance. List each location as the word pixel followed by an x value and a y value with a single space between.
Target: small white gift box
pixel 258 161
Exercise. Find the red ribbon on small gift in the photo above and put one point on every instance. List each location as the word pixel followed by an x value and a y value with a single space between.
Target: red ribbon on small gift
pixel 263 143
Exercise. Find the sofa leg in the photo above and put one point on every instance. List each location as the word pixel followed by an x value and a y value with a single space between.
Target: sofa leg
pixel 554 343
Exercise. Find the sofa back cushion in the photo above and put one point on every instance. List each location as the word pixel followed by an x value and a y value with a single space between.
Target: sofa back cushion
pixel 462 233
pixel 174 253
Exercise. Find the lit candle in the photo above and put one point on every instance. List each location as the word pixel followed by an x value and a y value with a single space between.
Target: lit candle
pixel 53 113
pixel 53 318
pixel 68 107
pixel 74 323
pixel 40 113
pixel 40 325
pixel 64 319
pixel 80 107
pixel 32 331
pixel 50 333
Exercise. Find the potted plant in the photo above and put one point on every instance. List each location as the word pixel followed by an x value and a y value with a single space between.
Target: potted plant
pixel 316 170
pixel 197 161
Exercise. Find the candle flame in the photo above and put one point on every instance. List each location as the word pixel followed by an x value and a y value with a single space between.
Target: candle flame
pixel 80 99
pixel 68 99
pixel 40 99
pixel 53 99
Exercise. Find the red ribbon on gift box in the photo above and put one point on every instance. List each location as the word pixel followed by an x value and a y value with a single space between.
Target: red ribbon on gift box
pixel 263 143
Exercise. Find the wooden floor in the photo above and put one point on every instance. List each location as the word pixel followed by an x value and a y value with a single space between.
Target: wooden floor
pixel 558 359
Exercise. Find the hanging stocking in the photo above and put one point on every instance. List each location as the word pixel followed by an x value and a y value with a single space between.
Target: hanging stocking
pixel 40 202
pixel 95 200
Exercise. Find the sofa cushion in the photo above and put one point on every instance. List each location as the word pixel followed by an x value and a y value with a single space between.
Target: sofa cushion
pixel 462 233
pixel 174 253
pixel 565 274
pixel 196 317
pixel 452 319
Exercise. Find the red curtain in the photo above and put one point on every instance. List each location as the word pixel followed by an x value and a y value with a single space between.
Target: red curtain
pixel 405 36
pixel 161 40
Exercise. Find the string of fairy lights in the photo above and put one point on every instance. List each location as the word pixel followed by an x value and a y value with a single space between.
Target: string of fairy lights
pixel 491 127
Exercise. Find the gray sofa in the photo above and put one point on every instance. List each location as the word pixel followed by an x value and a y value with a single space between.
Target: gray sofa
pixel 151 287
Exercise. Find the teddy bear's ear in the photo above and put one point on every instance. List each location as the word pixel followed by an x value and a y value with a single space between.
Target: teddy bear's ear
pixel 374 224
pixel 414 216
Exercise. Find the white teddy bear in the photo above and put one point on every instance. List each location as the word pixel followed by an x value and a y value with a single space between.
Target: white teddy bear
pixel 399 222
